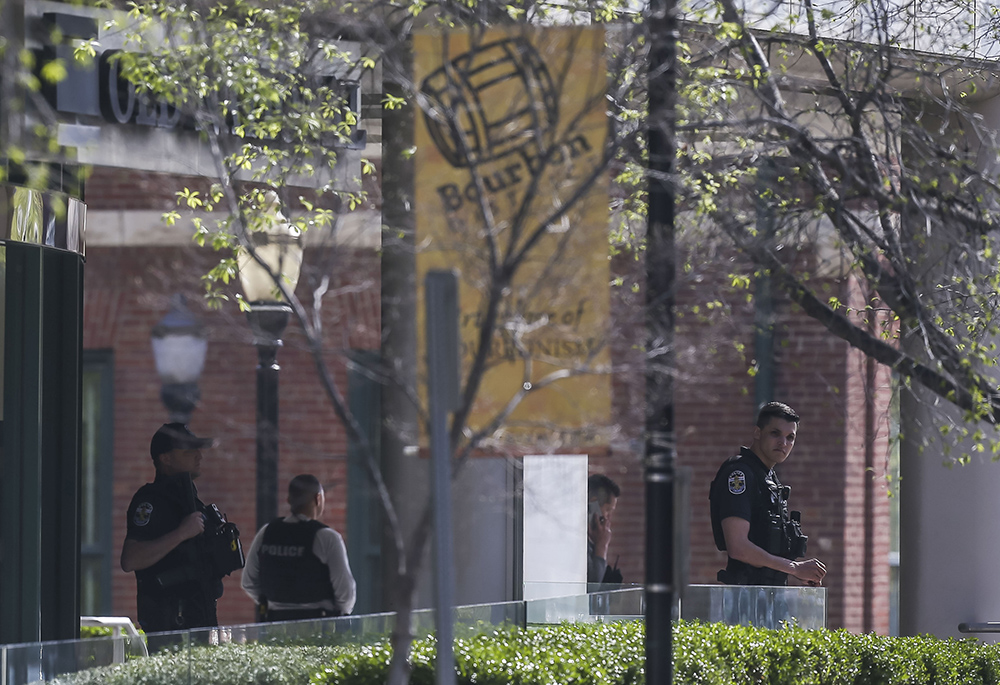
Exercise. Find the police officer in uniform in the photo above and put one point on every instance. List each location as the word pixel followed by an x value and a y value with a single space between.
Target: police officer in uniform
pixel 749 506
pixel 166 545
pixel 297 567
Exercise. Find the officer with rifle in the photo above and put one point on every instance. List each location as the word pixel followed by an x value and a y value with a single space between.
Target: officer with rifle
pixel 179 548
pixel 749 507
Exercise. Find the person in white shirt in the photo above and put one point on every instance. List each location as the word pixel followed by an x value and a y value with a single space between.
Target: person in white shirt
pixel 297 567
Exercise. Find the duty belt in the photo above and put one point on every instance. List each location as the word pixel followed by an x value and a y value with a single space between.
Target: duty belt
pixel 752 576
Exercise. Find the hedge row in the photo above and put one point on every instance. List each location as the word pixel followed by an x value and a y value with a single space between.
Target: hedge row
pixel 228 664
pixel 587 654
pixel 716 654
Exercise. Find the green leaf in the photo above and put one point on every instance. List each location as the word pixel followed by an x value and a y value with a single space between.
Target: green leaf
pixel 54 71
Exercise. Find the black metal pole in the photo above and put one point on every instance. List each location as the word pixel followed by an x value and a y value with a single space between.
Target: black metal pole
pixel 660 286
pixel 268 321
pixel 267 434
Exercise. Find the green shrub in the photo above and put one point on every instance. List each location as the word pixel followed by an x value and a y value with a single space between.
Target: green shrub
pixel 716 654
pixel 228 664
pixel 571 653
pixel 88 632
pixel 586 654
pixel 704 654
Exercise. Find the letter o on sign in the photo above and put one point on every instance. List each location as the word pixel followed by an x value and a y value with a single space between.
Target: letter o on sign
pixel 117 94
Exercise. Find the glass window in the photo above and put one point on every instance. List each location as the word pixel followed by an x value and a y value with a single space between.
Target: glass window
pixel 364 510
pixel 95 485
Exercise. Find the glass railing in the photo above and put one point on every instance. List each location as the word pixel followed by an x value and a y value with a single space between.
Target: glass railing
pixel 24 664
pixel 761 606
pixel 43 662
pixel 602 603
pixel 46 661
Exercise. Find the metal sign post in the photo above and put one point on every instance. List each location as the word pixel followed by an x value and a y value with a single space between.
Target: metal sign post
pixel 441 292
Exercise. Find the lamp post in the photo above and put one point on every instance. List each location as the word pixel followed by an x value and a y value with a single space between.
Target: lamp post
pixel 179 347
pixel 661 440
pixel 275 254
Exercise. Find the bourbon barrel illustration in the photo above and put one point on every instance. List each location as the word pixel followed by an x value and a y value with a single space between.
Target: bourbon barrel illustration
pixel 490 102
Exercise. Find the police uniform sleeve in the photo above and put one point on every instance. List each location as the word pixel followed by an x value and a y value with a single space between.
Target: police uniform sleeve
pixel 330 549
pixel 250 579
pixel 150 516
pixel 734 491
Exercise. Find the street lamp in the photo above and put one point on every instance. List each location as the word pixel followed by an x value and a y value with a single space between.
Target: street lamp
pixel 275 256
pixel 179 347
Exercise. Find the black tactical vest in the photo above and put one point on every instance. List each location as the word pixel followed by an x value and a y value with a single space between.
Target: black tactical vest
pixel 289 571
pixel 769 521
pixel 184 569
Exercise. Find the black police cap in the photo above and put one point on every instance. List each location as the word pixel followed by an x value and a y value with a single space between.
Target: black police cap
pixel 176 436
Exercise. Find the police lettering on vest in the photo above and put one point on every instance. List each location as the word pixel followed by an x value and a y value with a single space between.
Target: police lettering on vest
pixel 283 550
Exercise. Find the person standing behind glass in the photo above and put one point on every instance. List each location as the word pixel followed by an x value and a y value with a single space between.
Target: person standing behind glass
pixel 602 496
pixel 166 545
pixel 297 567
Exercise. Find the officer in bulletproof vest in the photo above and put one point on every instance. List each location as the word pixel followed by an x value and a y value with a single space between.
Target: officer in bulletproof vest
pixel 297 567
pixel 178 547
pixel 749 506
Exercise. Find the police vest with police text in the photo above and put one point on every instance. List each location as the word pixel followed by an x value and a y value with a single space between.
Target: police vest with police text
pixel 289 571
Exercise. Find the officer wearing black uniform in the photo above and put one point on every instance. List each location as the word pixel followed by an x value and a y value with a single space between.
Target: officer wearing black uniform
pixel 297 566
pixel 749 507
pixel 179 548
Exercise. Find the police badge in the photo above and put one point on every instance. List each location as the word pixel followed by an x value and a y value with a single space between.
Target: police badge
pixel 737 483
pixel 142 512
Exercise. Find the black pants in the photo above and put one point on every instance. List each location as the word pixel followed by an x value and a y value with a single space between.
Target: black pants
pixel 161 613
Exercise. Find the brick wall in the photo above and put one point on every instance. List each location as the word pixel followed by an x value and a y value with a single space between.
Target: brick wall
pixel 624 461
pixel 123 189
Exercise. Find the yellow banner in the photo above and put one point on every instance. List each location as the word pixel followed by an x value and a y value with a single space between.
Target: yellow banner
pixel 512 191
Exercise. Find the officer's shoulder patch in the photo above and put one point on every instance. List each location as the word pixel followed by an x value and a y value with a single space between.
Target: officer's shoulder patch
pixel 143 511
pixel 737 482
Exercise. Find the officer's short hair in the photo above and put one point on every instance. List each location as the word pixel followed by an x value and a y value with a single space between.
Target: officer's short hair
pixel 602 488
pixel 302 490
pixel 775 410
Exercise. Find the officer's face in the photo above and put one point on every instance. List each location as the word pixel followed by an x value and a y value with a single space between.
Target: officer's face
pixel 181 461
pixel 773 443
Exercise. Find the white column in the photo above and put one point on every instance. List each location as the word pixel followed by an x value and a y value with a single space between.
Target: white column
pixel 949 549
pixel 555 526
pixel 949 554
